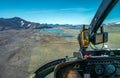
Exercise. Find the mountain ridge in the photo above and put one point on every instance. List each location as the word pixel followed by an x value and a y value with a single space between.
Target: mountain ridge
pixel 17 23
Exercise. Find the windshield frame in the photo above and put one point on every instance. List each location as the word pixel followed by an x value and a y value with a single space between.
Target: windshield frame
pixel 104 9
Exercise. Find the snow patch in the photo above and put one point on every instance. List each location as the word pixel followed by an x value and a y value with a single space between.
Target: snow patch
pixel 22 23
pixel 117 22
pixel 28 25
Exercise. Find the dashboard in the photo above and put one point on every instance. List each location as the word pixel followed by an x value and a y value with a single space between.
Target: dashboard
pixel 94 67
pixel 100 64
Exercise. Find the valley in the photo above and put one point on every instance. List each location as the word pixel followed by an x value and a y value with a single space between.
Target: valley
pixel 24 50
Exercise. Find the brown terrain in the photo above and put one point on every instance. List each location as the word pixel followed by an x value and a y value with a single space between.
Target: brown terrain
pixel 22 52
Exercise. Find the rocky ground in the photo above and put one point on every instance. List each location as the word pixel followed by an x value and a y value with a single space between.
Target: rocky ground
pixel 22 52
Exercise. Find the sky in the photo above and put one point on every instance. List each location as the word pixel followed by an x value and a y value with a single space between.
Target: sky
pixel 51 11
pixel 114 15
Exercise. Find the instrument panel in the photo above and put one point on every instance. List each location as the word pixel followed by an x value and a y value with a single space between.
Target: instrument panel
pixel 101 67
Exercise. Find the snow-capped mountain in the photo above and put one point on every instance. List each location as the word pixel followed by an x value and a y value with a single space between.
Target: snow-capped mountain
pixel 17 23
pixel 113 24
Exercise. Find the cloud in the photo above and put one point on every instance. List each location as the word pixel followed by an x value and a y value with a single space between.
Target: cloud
pixel 77 9
pixel 62 10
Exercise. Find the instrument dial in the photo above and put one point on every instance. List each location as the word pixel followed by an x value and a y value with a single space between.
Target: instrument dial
pixel 109 69
pixel 99 69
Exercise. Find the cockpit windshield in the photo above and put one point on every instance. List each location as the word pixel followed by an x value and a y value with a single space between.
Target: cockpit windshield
pixel 35 32
pixel 112 26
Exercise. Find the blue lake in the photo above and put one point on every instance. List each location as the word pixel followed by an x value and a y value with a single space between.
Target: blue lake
pixel 75 28
pixel 57 33
pixel 68 36
pixel 51 31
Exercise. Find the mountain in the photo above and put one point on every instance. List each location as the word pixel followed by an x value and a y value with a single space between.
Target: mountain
pixel 17 23
pixel 113 24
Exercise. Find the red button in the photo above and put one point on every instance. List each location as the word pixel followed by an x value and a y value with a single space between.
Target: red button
pixel 86 56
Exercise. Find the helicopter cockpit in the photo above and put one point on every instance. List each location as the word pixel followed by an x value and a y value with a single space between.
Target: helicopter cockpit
pixel 99 62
